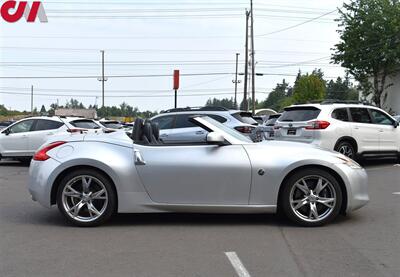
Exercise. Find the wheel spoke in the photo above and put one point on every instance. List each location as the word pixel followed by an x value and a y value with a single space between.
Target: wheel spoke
pixel 320 186
pixel 313 211
pixel 76 209
pixel 73 194
pixel 99 194
pixel 328 202
pixel 86 183
pixel 92 209
pixel 303 186
pixel 299 203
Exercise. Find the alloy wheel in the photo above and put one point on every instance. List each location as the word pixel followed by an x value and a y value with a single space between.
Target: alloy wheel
pixel 84 198
pixel 313 198
pixel 346 150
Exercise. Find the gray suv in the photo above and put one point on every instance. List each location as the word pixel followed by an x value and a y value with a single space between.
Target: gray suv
pixel 175 126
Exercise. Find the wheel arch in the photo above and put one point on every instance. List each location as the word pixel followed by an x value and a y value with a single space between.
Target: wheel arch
pixel 65 172
pixel 348 139
pixel 325 168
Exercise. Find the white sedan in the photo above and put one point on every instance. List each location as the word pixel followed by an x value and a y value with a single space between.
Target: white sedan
pixel 21 139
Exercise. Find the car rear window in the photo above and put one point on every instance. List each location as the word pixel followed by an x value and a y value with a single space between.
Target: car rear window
pixel 112 124
pixel 299 114
pixel 245 117
pixel 340 114
pixel 271 122
pixel 85 124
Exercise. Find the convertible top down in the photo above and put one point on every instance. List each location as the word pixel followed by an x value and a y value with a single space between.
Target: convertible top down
pixel 92 176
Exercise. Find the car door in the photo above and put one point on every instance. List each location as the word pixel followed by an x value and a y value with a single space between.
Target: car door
pixel 363 130
pixel 389 136
pixel 195 174
pixel 42 130
pixel 186 131
pixel 14 139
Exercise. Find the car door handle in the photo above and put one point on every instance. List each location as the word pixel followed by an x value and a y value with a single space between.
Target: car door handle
pixel 200 133
pixel 138 158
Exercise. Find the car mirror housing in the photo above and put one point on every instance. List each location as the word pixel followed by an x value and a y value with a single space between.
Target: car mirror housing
pixel 396 124
pixel 7 131
pixel 215 138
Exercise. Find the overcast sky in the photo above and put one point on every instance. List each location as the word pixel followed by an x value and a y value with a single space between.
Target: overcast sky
pixel 154 37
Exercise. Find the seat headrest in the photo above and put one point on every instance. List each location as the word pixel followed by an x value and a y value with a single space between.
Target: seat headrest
pixel 137 132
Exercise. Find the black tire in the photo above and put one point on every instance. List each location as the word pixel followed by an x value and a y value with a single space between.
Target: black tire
pixel 331 191
pixel 346 148
pixel 110 194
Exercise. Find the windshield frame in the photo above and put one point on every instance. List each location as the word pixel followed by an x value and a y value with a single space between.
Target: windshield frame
pixel 211 125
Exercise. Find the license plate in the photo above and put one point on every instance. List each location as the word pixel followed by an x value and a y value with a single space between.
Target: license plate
pixel 291 132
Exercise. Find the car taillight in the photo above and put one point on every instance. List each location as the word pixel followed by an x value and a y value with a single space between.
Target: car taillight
pixel 318 125
pixel 276 127
pixel 244 129
pixel 77 130
pixel 41 155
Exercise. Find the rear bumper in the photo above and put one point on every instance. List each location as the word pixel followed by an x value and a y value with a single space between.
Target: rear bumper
pixel 40 183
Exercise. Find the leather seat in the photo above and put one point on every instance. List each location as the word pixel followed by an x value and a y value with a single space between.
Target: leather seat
pixel 146 132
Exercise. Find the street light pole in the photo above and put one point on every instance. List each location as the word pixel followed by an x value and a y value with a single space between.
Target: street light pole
pixel 32 99
pixel 236 81
pixel 253 79
pixel 246 64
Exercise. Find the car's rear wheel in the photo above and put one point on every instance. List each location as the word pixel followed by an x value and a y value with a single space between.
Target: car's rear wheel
pixel 346 148
pixel 86 198
pixel 311 197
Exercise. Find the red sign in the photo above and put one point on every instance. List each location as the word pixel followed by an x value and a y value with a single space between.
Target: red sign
pixel 12 11
pixel 176 79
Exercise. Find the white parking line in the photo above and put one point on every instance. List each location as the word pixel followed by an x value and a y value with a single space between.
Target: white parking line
pixel 237 264
pixel 396 193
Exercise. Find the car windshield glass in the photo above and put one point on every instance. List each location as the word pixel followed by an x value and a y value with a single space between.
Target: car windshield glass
pixel 271 122
pixel 86 124
pixel 299 114
pixel 226 129
pixel 112 125
pixel 245 118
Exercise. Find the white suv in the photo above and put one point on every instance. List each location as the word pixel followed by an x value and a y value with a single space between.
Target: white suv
pixel 355 130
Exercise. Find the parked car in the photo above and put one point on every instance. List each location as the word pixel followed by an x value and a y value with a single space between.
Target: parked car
pixel 110 124
pixel 176 127
pixel 355 130
pixel 269 131
pixel 21 139
pixel 5 124
pixel 227 173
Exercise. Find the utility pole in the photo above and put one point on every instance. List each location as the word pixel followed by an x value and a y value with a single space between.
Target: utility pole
pixel 236 81
pixel 246 64
pixel 32 100
pixel 253 80
pixel 103 78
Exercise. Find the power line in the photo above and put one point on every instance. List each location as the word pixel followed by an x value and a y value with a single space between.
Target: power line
pixel 297 25
pixel 112 76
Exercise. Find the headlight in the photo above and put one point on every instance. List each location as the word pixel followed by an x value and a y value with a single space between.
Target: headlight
pixel 348 161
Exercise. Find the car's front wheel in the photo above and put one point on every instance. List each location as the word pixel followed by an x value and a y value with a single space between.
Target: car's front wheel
pixel 311 197
pixel 86 198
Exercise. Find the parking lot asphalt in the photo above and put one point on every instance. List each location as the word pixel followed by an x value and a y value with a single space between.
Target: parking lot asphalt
pixel 35 241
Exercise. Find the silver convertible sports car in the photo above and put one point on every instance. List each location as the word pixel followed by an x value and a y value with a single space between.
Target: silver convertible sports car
pixel 92 176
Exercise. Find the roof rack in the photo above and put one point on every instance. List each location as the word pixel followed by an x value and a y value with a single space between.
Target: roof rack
pixel 336 101
pixel 188 109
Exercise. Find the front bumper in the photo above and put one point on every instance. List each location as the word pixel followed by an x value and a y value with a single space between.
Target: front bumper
pixel 40 180
pixel 356 181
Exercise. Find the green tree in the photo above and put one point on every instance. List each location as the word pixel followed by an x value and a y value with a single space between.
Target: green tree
pixel 309 88
pixel 341 89
pixel 370 44
pixel 277 96
pixel 43 110
pixel 225 102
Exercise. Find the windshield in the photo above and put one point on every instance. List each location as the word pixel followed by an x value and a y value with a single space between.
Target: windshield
pixel 85 124
pixel 112 125
pixel 299 114
pixel 225 129
pixel 245 117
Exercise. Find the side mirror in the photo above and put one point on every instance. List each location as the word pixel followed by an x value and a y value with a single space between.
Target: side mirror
pixel 396 124
pixel 215 138
pixel 7 131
